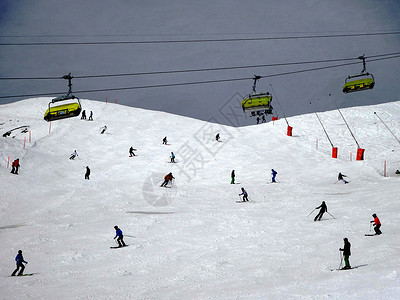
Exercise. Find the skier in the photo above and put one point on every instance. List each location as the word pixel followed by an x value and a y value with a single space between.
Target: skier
pixel 340 178
pixel 131 153
pixel 323 209
pixel 74 154
pixel 258 120
pixel 87 174
pixel 346 253
pixel 15 165
pixel 164 141
pixel 273 175
pixel 103 129
pixel 263 119
pixel 377 224
pixel 83 115
pixel 119 236
pixel 167 178
pixel 91 116
pixel 172 157
pixel 244 193
pixel 217 137
pixel 20 260
pixel 233 177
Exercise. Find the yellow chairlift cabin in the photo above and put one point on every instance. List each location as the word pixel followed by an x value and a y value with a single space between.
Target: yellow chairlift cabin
pixel 72 107
pixel 257 103
pixel 360 82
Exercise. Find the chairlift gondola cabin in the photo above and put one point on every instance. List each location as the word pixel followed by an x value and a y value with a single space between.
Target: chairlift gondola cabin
pixel 72 107
pixel 359 82
pixel 257 102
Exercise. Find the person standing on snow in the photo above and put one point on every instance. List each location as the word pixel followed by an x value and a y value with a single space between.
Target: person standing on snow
pixel 233 177
pixel 19 260
pixel 83 115
pixel 217 137
pixel 245 195
pixel 346 253
pixel 172 157
pixel 340 178
pixel 323 209
pixel 91 116
pixel 377 224
pixel 164 141
pixel 131 153
pixel 103 129
pixel 15 165
pixel 167 179
pixel 119 236
pixel 74 154
pixel 273 175
pixel 87 174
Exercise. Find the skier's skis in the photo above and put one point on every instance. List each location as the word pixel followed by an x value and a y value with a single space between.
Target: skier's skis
pixel 355 267
pixel 370 234
pixel 116 247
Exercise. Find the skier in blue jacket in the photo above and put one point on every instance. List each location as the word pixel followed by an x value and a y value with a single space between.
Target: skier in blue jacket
pixel 273 175
pixel 244 193
pixel 20 260
pixel 120 239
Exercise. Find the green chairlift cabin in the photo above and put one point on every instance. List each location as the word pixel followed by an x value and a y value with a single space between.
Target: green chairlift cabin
pixel 72 107
pixel 360 82
pixel 257 103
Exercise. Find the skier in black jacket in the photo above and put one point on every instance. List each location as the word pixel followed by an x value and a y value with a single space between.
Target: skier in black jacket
pixel 323 209
pixel 346 253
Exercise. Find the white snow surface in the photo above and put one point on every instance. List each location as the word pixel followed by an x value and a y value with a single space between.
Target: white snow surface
pixel 193 240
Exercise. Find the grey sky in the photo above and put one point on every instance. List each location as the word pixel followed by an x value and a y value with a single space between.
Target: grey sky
pixel 87 21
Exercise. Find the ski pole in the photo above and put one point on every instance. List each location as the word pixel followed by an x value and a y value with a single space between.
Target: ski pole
pixel 331 215
pixel 311 212
pixel 370 225
pixel 240 198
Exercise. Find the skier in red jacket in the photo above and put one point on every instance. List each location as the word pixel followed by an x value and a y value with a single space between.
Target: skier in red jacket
pixel 377 224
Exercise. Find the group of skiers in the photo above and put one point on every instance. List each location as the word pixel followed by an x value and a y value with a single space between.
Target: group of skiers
pixel 83 117
pixel 346 248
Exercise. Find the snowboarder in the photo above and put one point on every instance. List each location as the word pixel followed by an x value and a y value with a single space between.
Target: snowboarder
pixel 273 175
pixel 244 193
pixel 217 137
pixel 131 153
pixel 91 116
pixel 15 165
pixel 233 177
pixel 377 224
pixel 164 141
pixel 167 179
pixel 340 178
pixel 119 236
pixel 83 115
pixel 172 157
pixel 103 129
pixel 87 174
pixel 19 260
pixel 73 155
pixel 323 209
pixel 346 253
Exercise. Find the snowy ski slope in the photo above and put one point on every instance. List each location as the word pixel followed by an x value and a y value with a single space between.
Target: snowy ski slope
pixel 193 241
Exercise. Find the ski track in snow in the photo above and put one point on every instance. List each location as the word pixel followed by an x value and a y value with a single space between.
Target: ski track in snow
pixel 194 241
